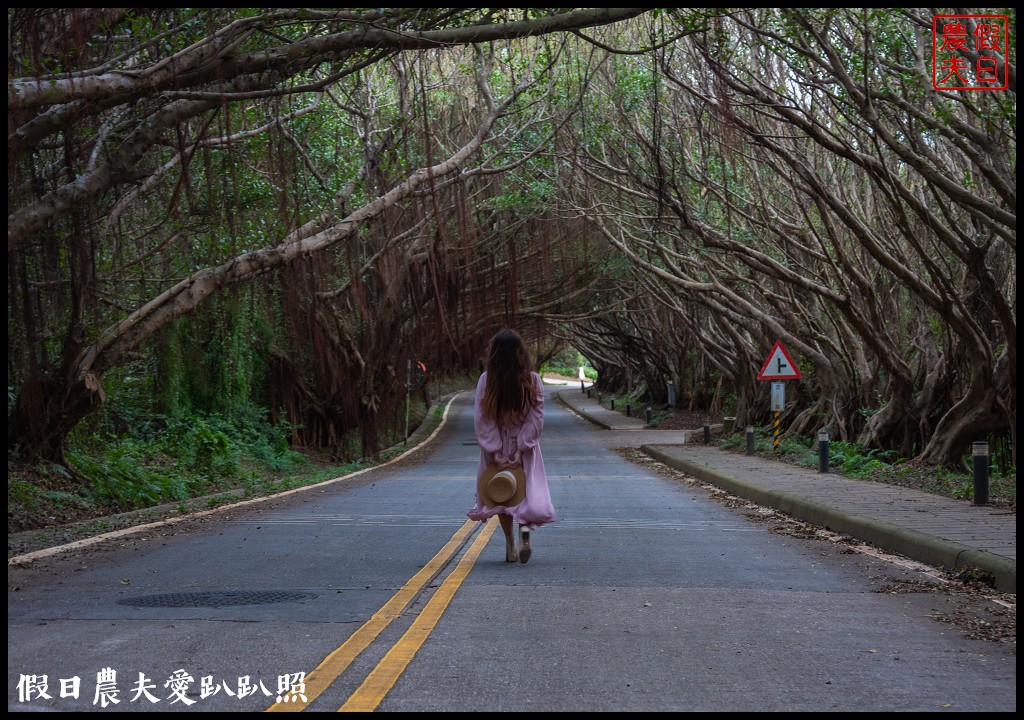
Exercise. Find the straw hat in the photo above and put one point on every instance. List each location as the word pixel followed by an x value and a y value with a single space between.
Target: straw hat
pixel 501 486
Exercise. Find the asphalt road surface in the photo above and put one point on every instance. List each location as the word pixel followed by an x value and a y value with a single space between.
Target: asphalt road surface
pixel 375 593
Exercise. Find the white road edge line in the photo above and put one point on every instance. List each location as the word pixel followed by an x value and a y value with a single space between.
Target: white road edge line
pixel 36 555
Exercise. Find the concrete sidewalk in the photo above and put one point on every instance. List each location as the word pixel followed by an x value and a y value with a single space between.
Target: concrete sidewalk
pixel 931 529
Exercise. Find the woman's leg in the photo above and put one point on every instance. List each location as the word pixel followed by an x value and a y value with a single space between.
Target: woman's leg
pixel 510 543
pixel 525 546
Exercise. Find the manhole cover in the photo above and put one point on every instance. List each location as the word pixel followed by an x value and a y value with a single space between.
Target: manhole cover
pixel 216 599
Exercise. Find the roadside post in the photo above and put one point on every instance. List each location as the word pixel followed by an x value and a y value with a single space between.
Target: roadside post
pixel 822 451
pixel 778 368
pixel 979 453
pixel 408 385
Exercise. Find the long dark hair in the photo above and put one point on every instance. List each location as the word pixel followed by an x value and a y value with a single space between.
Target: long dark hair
pixel 510 393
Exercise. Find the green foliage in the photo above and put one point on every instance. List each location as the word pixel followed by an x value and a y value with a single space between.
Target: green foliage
pixel 852 460
pixel 567 363
pixel 846 458
pixel 171 370
pixel 174 459
pixel 729 402
pixel 214 444
pixel 123 479
pixel 34 498
pixel 1002 483
pixel 568 371
pixel 855 461
pixel 206 445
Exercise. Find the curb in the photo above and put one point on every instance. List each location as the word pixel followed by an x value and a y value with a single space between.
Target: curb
pixel 686 435
pixel 590 418
pixel 911 543
pixel 22 559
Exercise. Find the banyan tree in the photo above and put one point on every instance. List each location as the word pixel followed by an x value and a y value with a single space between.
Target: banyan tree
pixel 286 208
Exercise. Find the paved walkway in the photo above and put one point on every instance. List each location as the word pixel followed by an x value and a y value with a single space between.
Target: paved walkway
pixel 931 529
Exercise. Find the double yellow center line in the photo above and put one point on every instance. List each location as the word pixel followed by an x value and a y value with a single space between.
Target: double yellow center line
pixel 384 676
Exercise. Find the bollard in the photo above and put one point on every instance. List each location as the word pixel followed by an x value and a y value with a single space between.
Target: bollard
pixel 629 410
pixel 707 433
pixel 613 403
pixel 588 392
pixel 648 414
pixel 583 388
pixel 822 451
pixel 750 439
pixel 598 397
pixel 980 452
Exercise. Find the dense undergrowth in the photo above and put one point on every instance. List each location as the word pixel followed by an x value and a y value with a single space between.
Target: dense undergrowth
pixel 155 461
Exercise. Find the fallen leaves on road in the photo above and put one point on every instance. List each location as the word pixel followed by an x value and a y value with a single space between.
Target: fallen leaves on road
pixel 977 610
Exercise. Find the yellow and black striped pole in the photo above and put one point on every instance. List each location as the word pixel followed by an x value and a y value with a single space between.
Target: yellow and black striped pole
pixel 775 426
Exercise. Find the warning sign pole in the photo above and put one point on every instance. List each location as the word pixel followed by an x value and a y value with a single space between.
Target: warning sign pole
pixel 778 406
pixel 779 367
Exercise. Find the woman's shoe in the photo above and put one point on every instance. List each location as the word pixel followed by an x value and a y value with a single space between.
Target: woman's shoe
pixel 524 544
pixel 510 549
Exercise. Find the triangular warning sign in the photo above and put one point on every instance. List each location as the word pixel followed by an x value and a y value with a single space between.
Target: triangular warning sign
pixel 779 366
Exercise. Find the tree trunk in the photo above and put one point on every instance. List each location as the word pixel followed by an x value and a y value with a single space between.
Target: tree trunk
pixel 47 410
pixel 808 421
pixel 894 426
pixel 973 418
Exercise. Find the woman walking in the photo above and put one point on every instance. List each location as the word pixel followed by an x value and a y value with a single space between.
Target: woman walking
pixel 508 418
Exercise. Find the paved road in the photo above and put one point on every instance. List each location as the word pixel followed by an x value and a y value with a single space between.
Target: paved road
pixel 946 533
pixel 649 594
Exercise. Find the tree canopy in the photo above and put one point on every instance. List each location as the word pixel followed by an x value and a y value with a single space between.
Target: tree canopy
pixel 215 208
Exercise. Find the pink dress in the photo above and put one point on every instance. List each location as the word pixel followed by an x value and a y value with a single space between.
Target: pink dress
pixel 536 509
